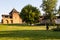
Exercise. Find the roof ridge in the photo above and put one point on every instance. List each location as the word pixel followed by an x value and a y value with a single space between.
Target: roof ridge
pixel 13 10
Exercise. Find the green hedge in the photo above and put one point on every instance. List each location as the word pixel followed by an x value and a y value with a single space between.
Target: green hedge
pixel 16 24
pixel 29 25
pixel 56 29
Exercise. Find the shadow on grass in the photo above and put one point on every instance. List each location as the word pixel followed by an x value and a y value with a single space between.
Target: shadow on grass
pixel 30 34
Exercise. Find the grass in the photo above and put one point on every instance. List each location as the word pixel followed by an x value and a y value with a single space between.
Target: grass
pixel 31 34
pixel 12 32
pixel 15 27
pixel 9 28
pixel 17 38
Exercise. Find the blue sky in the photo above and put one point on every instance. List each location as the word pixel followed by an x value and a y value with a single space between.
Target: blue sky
pixel 7 5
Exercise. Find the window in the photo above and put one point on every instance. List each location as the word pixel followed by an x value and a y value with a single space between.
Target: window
pixel 6 16
pixel 10 16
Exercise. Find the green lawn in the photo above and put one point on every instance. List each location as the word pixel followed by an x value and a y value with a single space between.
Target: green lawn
pixel 19 27
pixel 30 33
pixel 9 32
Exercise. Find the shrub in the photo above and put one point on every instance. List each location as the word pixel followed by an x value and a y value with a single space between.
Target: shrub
pixel 56 29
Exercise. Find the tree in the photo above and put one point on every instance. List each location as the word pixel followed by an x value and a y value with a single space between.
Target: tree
pixel 59 11
pixel 30 14
pixel 48 6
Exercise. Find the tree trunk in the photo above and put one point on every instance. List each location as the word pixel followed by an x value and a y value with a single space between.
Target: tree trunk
pixel 47 27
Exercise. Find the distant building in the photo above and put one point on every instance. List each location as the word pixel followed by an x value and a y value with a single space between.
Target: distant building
pixel 12 18
pixel 57 21
pixel 44 20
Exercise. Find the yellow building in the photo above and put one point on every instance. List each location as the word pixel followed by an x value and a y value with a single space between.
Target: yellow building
pixel 12 18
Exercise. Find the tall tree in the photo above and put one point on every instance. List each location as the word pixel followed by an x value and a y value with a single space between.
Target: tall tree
pixel 59 11
pixel 30 14
pixel 48 6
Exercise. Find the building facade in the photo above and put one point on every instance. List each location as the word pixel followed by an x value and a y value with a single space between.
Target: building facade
pixel 12 18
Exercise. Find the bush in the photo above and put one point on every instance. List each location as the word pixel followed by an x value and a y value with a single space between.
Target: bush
pixel 15 24
pixel 56 29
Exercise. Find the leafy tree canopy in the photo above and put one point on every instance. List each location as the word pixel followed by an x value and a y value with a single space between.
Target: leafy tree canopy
pixel 59 11
pixel 30 14
pixel 48 7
